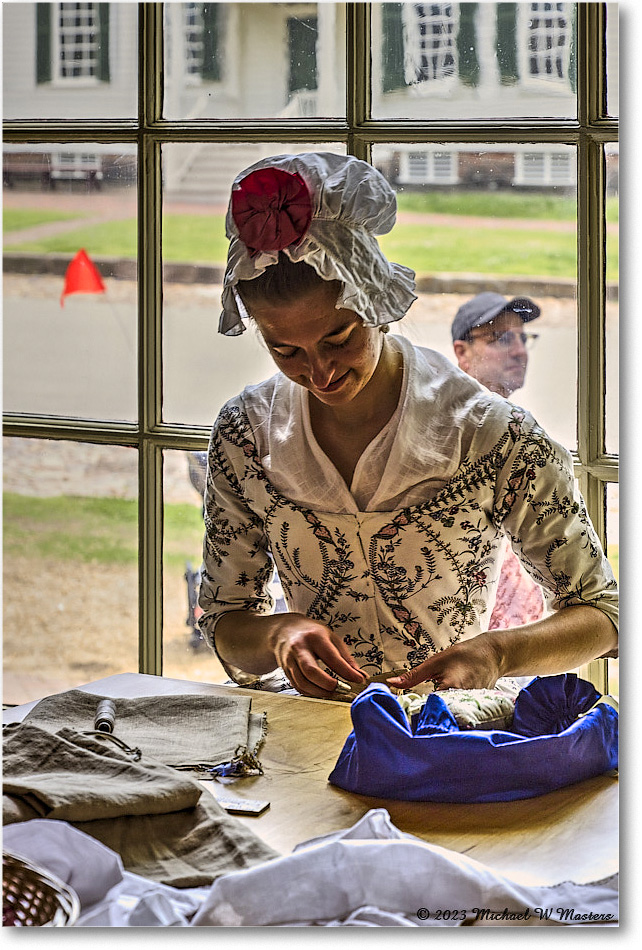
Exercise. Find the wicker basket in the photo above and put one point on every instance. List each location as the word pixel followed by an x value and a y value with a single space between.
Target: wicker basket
pixel 32 897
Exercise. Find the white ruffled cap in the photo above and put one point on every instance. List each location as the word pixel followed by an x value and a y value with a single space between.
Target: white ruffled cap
pixel 352 202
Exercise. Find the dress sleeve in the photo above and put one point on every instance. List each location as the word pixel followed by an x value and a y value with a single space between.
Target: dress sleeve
pixel 237 565
pixel 539 506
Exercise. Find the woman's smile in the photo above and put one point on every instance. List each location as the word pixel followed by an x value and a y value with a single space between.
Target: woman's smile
pixel 326 350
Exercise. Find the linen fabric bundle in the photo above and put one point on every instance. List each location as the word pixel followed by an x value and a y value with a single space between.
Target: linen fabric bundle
pixel 561 733
pixel 164 825
pixel 190 731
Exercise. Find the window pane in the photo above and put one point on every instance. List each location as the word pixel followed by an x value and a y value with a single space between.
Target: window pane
pixel 612 60
pixel 612 304
pixel 69 221
pixel 477 219
pixel 613 554
pixel 248 60
pixel 185 654
pixel 70 585
pixel 473 60
pixel 70 60
pixel 202 368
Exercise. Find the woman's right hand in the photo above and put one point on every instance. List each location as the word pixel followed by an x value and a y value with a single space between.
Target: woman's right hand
pixel 299 643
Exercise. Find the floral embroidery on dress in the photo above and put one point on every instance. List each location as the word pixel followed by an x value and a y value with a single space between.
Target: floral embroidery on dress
pixel 398 586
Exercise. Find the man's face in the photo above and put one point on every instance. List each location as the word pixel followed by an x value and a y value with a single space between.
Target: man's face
pixel 496 354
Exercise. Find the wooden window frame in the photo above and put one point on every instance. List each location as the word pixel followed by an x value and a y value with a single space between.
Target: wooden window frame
pixel 590 132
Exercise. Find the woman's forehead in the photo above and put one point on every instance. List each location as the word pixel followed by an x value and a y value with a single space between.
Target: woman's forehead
pixel 311 318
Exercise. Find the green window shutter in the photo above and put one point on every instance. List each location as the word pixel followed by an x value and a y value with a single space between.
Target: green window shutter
pixel 103 48
pixel 212 42
pixel 43 41
pixel 507 43
pixel 467 45
pixel 392 48
pixel 303 33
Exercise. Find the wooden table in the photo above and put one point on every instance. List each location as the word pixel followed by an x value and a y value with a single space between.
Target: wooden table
pixel 568 834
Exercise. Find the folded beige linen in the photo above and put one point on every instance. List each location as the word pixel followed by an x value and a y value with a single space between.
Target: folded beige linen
pixel 186 848
pixel 72 777
pixel 187 731
pixel 163 824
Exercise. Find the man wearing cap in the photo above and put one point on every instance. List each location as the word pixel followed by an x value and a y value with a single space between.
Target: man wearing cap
pixel 490 342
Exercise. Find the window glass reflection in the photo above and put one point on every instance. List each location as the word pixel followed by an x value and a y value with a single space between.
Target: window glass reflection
pixel 479 220
pixel 70 582
pixel 70 60
pixel 201 367
pixel 69 288
pixel 248 60
pixel 474 60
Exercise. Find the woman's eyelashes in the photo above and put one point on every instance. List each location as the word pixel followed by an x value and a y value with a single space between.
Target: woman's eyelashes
pixel 287 352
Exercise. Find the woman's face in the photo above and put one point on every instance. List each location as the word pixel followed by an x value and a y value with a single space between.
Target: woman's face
pixel 327 351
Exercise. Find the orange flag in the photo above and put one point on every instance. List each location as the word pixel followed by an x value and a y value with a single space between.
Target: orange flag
pixel 82 277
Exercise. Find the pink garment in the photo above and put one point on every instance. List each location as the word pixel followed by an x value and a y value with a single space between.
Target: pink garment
pixel 519 599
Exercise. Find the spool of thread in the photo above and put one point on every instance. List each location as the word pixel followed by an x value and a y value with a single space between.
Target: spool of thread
pixel 105 716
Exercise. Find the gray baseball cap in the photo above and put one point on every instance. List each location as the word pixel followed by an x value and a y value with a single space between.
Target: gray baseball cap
pixel 485 307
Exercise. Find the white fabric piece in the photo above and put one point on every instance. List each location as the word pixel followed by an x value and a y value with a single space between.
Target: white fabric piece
pixel 336 880
pixel 352 202
pixel 109 896
pixel 75 858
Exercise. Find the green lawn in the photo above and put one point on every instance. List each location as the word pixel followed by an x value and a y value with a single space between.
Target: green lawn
pixel 93 530
pixel 497 251
pixel 540 252
pixel 15 219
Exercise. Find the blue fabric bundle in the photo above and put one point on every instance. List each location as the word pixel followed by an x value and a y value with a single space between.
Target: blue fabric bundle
pixel 550 745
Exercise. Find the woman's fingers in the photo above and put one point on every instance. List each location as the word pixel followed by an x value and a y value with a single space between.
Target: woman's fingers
pixel 304 646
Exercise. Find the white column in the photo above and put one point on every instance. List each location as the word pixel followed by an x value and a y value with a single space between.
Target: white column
pixel 486 49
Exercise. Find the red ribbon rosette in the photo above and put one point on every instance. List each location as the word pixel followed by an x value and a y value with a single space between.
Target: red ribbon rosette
pixel 272 209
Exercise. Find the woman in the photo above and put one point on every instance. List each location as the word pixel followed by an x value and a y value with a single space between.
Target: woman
pixel 379 479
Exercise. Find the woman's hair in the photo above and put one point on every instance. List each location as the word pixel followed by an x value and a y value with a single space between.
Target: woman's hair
pixel 283 282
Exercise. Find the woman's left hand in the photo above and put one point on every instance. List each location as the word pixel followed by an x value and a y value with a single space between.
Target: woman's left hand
pixel 473 664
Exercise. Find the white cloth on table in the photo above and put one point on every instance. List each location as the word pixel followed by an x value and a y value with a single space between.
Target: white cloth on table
pixel 334 881
pixel 109 896
pixel 372 874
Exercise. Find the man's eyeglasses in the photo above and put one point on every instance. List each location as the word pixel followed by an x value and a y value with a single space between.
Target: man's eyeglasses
pixel 505 338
